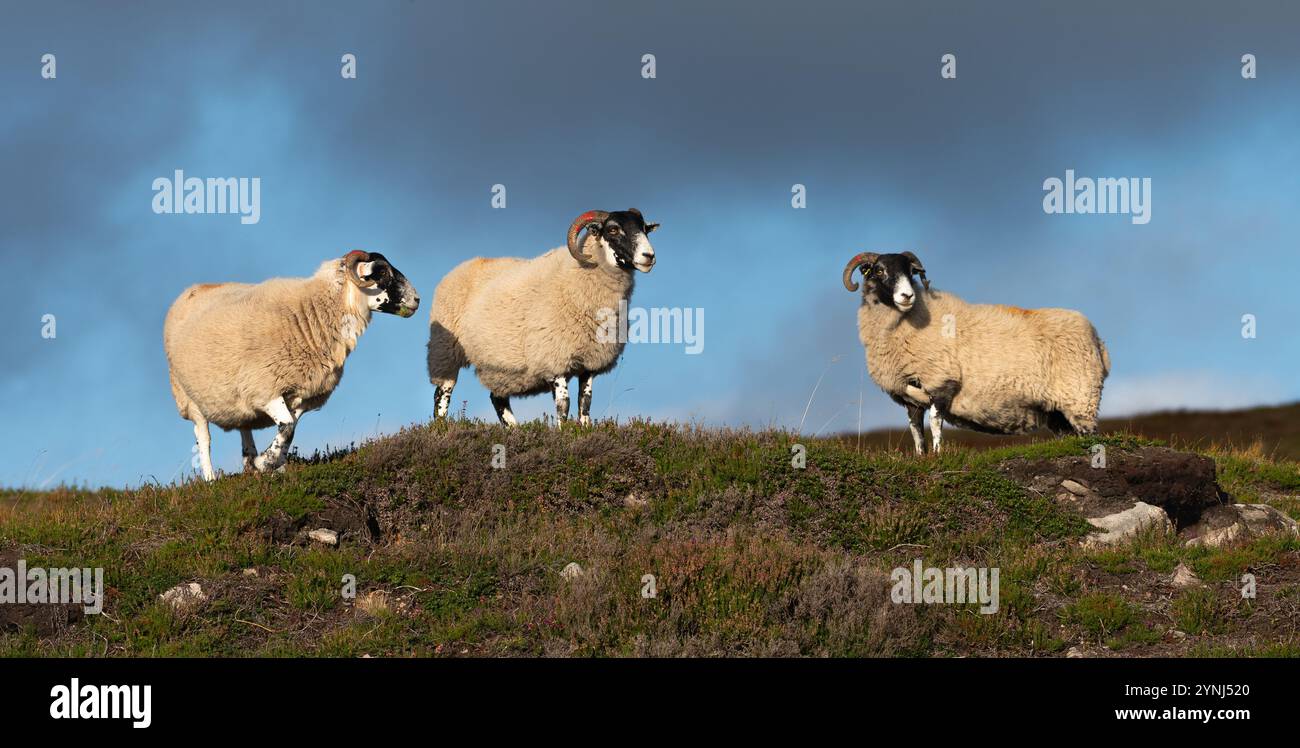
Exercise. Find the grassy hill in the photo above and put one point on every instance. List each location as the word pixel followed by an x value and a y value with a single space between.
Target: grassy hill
pixel 750 555
pixel 1272 430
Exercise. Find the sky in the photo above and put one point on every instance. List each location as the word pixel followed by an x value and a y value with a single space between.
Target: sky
pixel 548 99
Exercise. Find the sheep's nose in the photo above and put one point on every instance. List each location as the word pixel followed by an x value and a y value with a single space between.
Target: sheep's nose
pixel 905 296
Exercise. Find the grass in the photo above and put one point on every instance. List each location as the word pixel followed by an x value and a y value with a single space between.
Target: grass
pixel 750 555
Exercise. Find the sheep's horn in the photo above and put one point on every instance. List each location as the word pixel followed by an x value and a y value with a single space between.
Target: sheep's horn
pixel 917 268
pixel 591 220
pixel 864 258
pixel 350 262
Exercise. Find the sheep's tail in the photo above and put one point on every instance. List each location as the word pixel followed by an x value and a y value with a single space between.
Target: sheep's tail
pixel 1105 355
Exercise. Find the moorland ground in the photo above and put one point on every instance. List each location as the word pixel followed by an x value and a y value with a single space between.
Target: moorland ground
pixel 750 554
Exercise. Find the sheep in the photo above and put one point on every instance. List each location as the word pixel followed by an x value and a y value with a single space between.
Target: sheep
pixel 249 356
pixel 529 325
pixel 990 368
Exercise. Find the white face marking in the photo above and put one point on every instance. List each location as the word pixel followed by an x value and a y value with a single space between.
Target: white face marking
pixel 610 257
pixel 643 254
pixel 904 294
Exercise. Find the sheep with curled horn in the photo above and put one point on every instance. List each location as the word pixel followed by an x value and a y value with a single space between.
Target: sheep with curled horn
pixel 528 326
pixel 991 368
pixel 249 356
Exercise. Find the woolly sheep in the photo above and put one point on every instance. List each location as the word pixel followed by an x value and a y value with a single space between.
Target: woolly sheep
pixel 991 368
pixel 529 325
pixel 245 356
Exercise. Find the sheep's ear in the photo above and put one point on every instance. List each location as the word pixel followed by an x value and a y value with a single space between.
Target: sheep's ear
pixel 917 268
pixel 651 227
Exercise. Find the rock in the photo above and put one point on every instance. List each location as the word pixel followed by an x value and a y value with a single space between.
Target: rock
pixel 1066 497
pixel 1218 538
pixel 1074 487
pixel 572 571
pixel 1075 652
pixel 321 535
pixel 1182 484
pixel 1262 518
pixel 1185 577
pixel 1227 524
pixel 373 603
pixel 632 501
pixel 1122 525
pixel 250 572
pixel 184 597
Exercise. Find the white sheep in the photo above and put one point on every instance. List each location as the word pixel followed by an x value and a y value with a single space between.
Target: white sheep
pixel 991 368
pixel 249 356
pixel 529 325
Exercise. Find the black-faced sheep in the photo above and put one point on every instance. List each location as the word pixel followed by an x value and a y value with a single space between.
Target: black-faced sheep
pixel 991 368
pixel 528 325
pixel 249 356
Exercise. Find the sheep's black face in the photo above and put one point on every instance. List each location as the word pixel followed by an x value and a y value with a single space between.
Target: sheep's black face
pixel 623 235
pixel 392 292
pixel 889 281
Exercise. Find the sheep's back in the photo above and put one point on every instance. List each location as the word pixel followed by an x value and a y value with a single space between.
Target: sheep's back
pixel 231 347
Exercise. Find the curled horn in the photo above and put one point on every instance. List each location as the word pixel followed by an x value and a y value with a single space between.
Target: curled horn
pixel 591 221
pixel 864 258
pixel 918 268
pixel 350 262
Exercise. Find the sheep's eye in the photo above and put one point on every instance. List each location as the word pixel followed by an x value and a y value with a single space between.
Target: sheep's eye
pixel 613 230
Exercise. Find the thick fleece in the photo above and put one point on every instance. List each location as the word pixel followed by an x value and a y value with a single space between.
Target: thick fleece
pixel 523 323
pixel 232 348
pixel 988 367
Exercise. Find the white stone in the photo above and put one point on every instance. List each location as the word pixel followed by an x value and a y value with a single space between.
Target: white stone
pixel 184 597
pixel 321 535
pixel 572 571
pixel 1185 577
pixel 1074 487
pixel 1120 526
pixel 1218 538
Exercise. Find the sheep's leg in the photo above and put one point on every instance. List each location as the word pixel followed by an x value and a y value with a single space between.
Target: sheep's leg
pixel 936 427
pixel 204 439
pixel 249 448
pixel 561 388
pixel 502 405
pixel 442 396
pixel 285 422
pixel 916 422
pixel 1083 424
pixel 584 399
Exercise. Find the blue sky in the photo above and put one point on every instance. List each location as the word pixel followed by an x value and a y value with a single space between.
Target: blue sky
pixel 548 100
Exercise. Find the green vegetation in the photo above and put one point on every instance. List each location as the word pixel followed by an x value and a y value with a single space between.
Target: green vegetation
pixel 750 555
